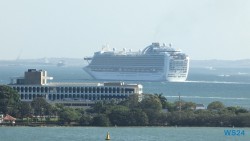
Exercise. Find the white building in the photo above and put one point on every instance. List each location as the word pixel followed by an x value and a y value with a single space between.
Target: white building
pixel 34 84
pixel 1 118
pixel 200 107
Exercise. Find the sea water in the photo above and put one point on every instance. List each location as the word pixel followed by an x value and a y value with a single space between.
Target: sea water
pixel 228 85
pixel 120 134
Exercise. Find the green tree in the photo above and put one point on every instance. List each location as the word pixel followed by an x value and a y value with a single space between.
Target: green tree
pixel 132 101
pixel 241 120
pixel 119 115
pixel 170 106
pixel 68 115
pixel 163 100
pixel 99 107
pixel 25 109
pixel 216 105
pixel 85 120
pixel 137 117
pixel 151 102
pixel 40 106
pixel 9 100
pixel 101 120
pixel 152 106
pixel 204 118
pixel 181 118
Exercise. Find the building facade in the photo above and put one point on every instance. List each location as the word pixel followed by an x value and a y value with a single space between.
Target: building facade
pixel 34 84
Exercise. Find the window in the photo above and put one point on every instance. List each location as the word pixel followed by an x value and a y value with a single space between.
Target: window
pixel 34 89
pixel 26 89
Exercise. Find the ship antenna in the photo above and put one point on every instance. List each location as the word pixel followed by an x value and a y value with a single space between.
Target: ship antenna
pixel 170 45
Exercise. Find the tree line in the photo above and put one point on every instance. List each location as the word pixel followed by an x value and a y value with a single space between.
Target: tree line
pixel 153 110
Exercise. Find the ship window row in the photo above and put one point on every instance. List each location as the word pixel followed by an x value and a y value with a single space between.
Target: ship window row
pixel 73 97
pixel 180 67
pixel 173 75
pixel 177 67
pixel 74 90
pixel 178 62
pixel 128 58
pixel 128 69
pixel 132 61
pixel 173 64
pixel 177 75
pixel 174 69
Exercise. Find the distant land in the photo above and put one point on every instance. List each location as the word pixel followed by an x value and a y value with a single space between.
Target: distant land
pixel 45 62
pixel 245 63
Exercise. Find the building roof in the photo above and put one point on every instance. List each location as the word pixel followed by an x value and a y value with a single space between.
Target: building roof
pixel 9 118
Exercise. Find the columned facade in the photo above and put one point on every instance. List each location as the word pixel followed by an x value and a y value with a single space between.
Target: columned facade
pixel 34 84
pixel 63 92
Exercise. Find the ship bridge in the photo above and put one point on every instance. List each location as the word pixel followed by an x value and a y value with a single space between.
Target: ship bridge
pixel 156 48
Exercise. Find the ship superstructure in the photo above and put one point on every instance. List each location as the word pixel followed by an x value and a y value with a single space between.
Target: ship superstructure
pixel 154 63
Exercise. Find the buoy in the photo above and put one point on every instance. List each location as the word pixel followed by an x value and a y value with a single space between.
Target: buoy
pixel 108 136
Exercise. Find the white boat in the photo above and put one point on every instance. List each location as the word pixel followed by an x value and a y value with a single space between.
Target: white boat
pixel 154 63
pixel 61 63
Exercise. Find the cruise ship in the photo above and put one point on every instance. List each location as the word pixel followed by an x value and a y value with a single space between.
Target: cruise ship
pixel 156 62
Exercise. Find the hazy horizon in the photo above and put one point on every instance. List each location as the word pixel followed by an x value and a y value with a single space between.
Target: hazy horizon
pixel 203 29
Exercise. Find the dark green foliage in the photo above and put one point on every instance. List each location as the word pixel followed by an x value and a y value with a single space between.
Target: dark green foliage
pixel 119 116
pixel 40 106
pixel 151 102
pixel 9 100
pixel 85 120
pixel 101 120
pixel 152 106
pixel 170 106
pixel 25 109
pixel 241 120
pixel 137 118
pixel 68 115
pixel 216 105
pixel 163 100
pixel 131 102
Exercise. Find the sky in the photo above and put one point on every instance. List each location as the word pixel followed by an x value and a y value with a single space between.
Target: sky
pixel 203 29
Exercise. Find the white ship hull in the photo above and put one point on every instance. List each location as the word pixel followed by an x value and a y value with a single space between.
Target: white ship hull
pixel 126 75
pixel 176 79
pixel 154 63
pixel 134 76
